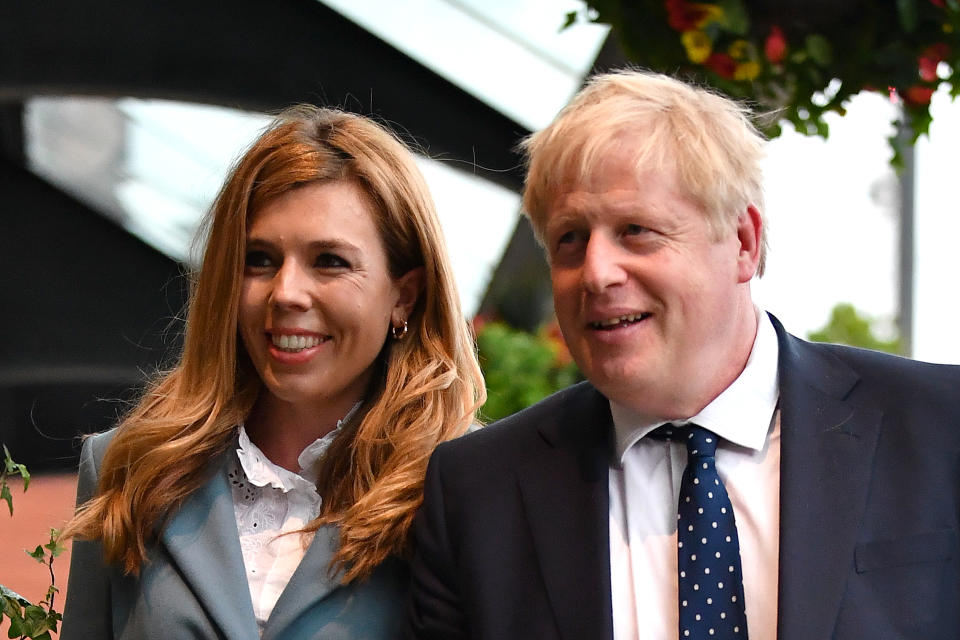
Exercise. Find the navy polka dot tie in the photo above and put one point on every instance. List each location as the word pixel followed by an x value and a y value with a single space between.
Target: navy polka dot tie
pixel 708 550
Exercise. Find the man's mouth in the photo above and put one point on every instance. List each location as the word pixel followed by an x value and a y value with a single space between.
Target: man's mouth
pixel 619 321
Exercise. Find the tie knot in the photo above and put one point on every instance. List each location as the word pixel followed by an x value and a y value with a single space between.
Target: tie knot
pixel 700 442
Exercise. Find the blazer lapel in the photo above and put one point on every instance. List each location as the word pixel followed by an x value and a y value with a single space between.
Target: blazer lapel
pixel 827 449
pixel 565 494
pixel 310 583
pixel 203 543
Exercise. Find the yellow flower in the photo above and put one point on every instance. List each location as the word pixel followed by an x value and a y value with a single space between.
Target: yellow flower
pixel 711 13
pixel 698 45
pixel 748 70
pixel 739 49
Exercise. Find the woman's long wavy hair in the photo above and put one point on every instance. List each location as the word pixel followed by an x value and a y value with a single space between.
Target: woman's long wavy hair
pixel 428 390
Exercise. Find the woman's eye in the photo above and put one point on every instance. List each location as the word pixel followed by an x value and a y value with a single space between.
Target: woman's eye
pixel 331 261
pixel 258 259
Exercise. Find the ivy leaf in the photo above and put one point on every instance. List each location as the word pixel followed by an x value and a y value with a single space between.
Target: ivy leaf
pixel 37 554
pixel 819 49
pixel 907 11
pixel 10 595
pixel 7 496
pixel 12 467
pixel 54 546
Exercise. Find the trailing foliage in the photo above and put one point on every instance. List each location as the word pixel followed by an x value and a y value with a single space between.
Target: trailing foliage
pixel 28 620
pixel 800 60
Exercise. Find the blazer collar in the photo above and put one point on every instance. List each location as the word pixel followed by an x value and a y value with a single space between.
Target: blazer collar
pixel 827 448
pixel 203 543
pixel 565 493
pixel 310 583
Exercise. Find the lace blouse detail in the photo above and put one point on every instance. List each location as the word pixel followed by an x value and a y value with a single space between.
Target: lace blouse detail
pixel 270 501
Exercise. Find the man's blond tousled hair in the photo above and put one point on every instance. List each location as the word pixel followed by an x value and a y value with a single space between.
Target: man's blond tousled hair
pixel 428 388
pixel 709 140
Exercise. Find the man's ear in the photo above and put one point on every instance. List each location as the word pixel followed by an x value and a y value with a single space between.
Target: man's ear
pixel 409 286
pixel 750 234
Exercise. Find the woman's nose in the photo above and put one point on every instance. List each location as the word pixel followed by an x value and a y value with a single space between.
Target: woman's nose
pixel 291 287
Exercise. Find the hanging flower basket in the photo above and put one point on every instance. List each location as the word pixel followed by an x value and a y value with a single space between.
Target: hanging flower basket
pixel 797 58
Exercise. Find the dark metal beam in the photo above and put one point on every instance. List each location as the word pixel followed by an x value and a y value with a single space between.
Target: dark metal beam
pixel 249 54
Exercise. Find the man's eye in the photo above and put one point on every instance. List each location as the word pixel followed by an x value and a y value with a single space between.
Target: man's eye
pixel 331 261
pixel 258 259
pixel 635 229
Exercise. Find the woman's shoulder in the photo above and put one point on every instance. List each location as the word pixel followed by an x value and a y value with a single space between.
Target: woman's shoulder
pixel 95 445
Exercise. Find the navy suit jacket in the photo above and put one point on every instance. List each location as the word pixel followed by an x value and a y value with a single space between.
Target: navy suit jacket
pixel 513 538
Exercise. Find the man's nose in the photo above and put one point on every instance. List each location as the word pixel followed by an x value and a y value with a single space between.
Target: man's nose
pixel 601 264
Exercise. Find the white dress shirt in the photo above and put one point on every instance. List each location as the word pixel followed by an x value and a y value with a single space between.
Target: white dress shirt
pixel 270 501
pixel 645 488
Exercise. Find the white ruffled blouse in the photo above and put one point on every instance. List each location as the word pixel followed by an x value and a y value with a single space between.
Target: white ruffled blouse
pixel 270 501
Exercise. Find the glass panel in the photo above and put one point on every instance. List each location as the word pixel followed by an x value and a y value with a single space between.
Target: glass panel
pixel 510 54
pixel 155 167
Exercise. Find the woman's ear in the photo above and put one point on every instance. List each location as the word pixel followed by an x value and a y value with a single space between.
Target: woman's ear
pixel 409 286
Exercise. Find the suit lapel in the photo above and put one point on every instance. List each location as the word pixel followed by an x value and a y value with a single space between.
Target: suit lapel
pixel 827 449
pixel 203 543
pixel 565 494
pixel 310 583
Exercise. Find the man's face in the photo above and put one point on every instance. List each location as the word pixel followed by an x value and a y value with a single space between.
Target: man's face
pixel 654 307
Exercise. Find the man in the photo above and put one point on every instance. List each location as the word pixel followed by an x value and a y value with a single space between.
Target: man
pixel 835 479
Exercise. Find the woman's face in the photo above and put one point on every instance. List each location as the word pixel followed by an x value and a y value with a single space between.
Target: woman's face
pixel 318 298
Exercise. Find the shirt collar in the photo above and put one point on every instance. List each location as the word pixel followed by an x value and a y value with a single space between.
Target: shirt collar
pixel 261 471
pixel 740 414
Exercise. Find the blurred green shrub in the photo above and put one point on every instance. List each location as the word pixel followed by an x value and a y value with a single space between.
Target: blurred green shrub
pixel 521 368
pixel 847 326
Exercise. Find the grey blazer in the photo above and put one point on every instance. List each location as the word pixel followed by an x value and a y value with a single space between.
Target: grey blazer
pixel 194 584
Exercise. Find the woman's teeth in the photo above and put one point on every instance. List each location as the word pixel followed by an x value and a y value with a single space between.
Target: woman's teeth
pixel 294 343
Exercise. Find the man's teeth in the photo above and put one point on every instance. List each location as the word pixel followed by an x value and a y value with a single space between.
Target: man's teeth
pixel 294 343
pixel 624 319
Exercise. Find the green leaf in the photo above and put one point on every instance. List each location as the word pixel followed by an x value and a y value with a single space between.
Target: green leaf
pixel 907 11
pixel 7 496
pixel 819 49
pixel 37 554
pixel 54 546
pixel 735 17
pixel 569 20
pixel 9 594
pixel 22 470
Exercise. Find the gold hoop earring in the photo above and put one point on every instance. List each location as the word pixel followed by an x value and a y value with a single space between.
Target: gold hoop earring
pixel 399 332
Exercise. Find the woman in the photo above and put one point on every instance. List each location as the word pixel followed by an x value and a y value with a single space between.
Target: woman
pixel 266 485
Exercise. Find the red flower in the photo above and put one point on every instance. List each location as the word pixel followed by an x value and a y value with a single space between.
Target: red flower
pixel 928 69
pixel 721 64
pixel 918 95
pixel 930 58
pixel 683 16
pixel 775 47
pixel 937 3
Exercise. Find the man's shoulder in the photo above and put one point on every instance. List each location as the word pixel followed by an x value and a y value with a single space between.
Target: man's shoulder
pixel 883 373
pixel 558 417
